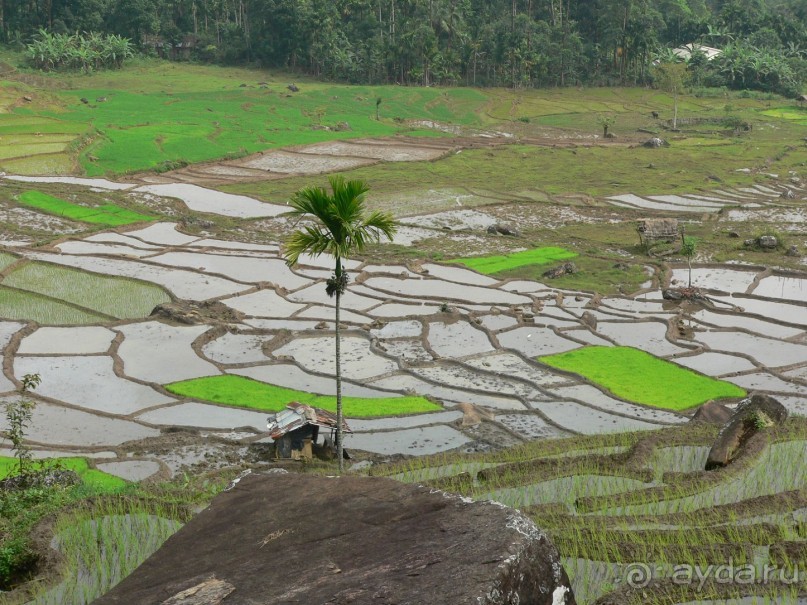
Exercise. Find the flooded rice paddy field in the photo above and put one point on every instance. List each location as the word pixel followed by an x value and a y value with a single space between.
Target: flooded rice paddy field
pixel 78 312
pixel 437 330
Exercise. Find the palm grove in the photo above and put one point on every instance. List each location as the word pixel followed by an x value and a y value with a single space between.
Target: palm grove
pixel 516 43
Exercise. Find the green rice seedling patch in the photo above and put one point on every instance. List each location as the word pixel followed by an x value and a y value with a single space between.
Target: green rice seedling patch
pixel 679 459
pixel 42 164
pixel 594 274
pixel 17 140
pixel 791 474
pixel 115 297
pixel 89 476
pixel 597 451
pixel 36 126
pixel 636 376
pixel 100 551
pixel 141 130
pixel 430 473
pixel 793 113
pixel 248 393
pixel 564 490
pixel 105 214
pixel 24 151
pixel 6 260
pixel 496 264
pixel 732 514
pixel 20 305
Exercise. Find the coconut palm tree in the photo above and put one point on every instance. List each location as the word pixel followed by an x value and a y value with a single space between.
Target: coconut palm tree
pixel 341 226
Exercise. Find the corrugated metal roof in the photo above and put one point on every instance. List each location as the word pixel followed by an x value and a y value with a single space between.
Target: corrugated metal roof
pixel 297 415
pixel 686 51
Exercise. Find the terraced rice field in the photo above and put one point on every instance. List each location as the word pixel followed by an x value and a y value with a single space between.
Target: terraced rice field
pixel 630 524
pixel 570 399
pixel 54 295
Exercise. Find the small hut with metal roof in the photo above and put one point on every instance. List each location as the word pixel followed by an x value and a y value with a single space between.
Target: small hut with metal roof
pixel 296 429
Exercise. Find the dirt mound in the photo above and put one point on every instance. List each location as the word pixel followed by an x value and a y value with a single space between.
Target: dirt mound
pixel 192 312
pixel 285 537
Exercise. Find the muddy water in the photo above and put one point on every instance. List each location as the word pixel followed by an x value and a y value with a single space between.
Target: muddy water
pixel 200 199
pixel 788 288
pixel 457 339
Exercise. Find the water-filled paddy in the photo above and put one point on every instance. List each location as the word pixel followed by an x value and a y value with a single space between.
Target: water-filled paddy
pixel 208 200
pixel 157 352
pixel 56 425
pixel 535 341
pixel 358 361
pixel 413 441
pixel 67 341
pixel 457 339
pixel 88 382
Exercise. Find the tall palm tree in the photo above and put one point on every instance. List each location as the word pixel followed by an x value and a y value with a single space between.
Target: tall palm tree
pixel 341 227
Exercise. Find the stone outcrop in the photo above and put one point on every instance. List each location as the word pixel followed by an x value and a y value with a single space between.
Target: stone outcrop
pixel 712 413
pixel 285 538
pixel 753 415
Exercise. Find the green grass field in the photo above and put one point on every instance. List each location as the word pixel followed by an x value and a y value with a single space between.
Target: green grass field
pixel 108 215
pixel 637 376
pixel 496 264
pixel 89 476
pixel 154 112
pixel 247 393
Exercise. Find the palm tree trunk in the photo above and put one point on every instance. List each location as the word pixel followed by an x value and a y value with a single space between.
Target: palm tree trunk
pixel 675 109
pixel 339 435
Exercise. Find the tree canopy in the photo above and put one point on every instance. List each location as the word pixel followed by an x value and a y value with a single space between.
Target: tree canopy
pixel 472 42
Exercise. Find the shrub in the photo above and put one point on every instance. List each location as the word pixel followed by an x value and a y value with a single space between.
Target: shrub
pixel 84 52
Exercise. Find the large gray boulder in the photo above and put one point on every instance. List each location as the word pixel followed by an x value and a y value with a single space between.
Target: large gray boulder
pixel 753 415
pixel 286 538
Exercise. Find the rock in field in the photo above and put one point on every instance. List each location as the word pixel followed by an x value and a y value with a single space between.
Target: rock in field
pixel 360 540
pixel 753 415
pixel 655 143
pixel 769 242
pixel 504 229
pixel 561 270
pixel 712 413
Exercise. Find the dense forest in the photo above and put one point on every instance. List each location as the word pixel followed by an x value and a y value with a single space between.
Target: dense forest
pixel 473 42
